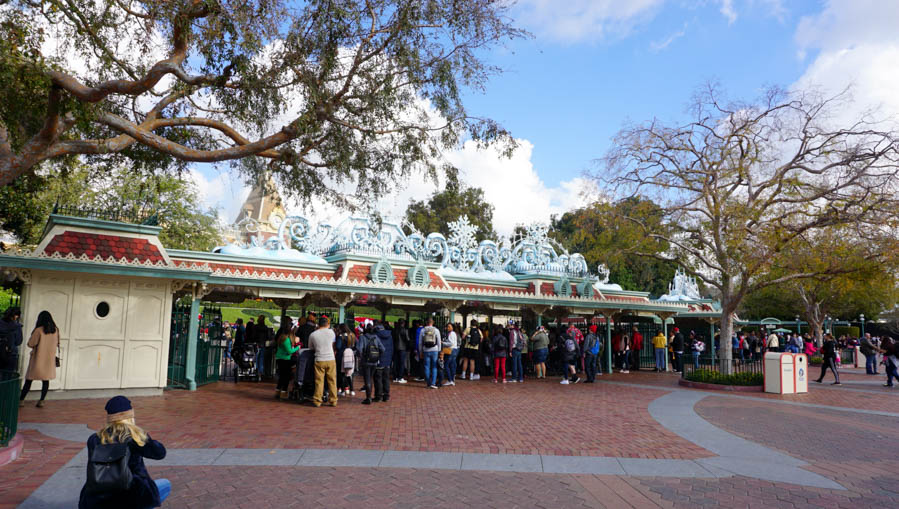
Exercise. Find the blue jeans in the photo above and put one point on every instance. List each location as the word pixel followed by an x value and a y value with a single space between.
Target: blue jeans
pixel 871 364
pixel 260 360
pixel 660 358
pixel 695 359
pixel 449 365
pixel 590 366
pixel 164 487
pixel 430 362
pixel 891 373
pixel 399 363
pixel 517 370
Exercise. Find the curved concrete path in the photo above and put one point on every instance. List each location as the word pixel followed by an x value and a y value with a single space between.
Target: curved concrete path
pixel 674 411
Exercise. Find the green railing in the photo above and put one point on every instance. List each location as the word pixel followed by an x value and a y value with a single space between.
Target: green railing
pixel 210 346
pixel 177 372
pixel 9 406
pixel 118 216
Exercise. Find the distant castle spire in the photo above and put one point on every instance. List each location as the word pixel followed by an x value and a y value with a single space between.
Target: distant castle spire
pixel 264 206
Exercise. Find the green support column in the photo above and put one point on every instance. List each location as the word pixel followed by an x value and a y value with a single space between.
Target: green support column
pixel 453 318
pixel 193 332
pixel 341 314
pixel 539 320
pixel 608 345
pixel 712 342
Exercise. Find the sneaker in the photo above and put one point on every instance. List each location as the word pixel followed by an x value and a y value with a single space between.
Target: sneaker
pixel 352 393
pixel 432 386
pixel 476 377
pixel 401 381
pixel 576 380
pixel 564 382
pixel 366 401
pixel 419 379
pixel 513 381
pixel 836 383
pixel 817 381
pixel 887 385
pixel 495 380
pixel 453 383
pixel 340 393
pixel 520 381
pixel 375 399
pixel 504 381
pixel 625 371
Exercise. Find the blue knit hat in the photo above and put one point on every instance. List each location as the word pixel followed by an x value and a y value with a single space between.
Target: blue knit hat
pixel 119 409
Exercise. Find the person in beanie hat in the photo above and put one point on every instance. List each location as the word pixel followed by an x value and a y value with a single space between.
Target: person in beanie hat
pixel 143 492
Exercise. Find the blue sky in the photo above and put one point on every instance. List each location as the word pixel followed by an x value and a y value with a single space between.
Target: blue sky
pixel 594 65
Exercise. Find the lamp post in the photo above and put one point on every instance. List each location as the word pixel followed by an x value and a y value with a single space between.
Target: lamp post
pixel 798 327
pixel 862 318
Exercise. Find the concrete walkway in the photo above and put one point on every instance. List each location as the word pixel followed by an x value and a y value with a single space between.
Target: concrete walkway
pixel 674 411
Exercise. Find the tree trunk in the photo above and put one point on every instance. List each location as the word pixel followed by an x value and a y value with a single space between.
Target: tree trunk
pixel 725 352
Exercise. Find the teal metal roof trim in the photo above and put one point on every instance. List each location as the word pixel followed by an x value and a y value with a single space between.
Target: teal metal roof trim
pixel 202 256
pixel 126 269
pixel 99 224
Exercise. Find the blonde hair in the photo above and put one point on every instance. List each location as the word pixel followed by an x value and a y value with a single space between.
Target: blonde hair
pixel 120 431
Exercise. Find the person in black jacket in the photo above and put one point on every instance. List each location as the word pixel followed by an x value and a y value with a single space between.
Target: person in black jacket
pixel 829 351
pixel 382 374
pixel 678 344
pixel 144 492
pixel 400 351
pixel 10 339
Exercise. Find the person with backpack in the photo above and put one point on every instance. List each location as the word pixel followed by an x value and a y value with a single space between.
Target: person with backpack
pixel 516 345
pixel 500 347
pixel 430 348
pixel 570 356
pixel 540 348
pixel 44 344
pixel 829 351
pixel 592 347
pixel 10 339
pixel 370 350
pixel 382 374
pixel 322 343
pixel 471 344
pixel 116 475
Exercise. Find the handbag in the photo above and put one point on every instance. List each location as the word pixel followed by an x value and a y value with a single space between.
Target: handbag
pixel 58 363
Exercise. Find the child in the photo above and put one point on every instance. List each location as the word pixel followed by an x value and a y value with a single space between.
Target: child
pixel 348 367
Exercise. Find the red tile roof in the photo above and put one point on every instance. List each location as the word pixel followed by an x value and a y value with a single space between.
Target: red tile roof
pixel 93 244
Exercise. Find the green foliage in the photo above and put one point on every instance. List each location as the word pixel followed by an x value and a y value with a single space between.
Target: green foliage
pixel 709 376
pixel 26 204
pixel 324 95
pixel 448 205
pixel 816 361
pixel 601 233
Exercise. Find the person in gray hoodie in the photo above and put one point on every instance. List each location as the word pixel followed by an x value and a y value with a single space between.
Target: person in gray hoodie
pixel 382 374
pixel 10 339
pixel 370 350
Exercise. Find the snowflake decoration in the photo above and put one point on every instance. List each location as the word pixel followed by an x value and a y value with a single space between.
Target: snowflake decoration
pixel 462 233
pixel 537 233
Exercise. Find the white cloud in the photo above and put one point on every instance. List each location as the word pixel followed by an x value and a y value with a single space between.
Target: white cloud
pixel 857 46
pixel 221 190
pixel 728 11
pixel 664 43
pixel 578 20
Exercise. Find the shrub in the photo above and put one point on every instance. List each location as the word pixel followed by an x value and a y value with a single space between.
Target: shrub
pixel 816 361
pixel 708 376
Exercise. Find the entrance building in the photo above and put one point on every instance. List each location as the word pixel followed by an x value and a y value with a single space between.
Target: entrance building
pixel 113 288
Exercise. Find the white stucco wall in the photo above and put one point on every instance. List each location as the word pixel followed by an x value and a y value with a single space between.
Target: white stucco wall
pixel 128 348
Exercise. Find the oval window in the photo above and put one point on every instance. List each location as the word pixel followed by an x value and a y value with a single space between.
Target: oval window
pixel 102 309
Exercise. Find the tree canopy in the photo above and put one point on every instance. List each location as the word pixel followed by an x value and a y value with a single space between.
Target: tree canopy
pixel 25 205
pixel 443 207
pixel 743 181
pixel 326 94
pixel 602 234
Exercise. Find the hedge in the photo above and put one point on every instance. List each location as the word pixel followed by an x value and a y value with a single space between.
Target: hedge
pixel 842 330
pixel 714 377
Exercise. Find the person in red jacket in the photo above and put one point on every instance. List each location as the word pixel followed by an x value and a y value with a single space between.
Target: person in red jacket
pixel 636 347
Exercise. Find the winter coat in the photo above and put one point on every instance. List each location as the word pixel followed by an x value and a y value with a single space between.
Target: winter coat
pixel 386 337
pixel 11 332
pixel 42 364
pixel 143 492
pixel 362 346
pixel 401 335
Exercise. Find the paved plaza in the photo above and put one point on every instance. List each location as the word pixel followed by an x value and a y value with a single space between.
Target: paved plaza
pixel 630 440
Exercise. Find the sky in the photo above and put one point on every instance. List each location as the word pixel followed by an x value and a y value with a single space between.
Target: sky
pixel 592 67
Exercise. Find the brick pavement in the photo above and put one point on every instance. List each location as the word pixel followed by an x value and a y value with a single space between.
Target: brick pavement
pixel 41 457
pixel 538 417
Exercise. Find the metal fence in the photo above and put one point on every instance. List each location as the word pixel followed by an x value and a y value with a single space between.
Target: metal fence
pixel 692 364
pixel 119 216
pixel 211 346
pixel 9 406
pixel 177 369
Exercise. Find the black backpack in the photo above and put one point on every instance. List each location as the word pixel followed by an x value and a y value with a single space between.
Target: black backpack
pixel 501 343
pixel 372 352
pixel 108 470
pixel 474 338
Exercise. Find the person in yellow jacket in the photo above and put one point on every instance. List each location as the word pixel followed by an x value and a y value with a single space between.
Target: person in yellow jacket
pixel 659 342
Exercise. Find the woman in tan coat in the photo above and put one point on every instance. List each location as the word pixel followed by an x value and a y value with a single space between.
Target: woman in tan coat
pixel 44 342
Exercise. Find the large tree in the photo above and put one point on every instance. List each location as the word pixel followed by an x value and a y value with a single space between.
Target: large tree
pixel 742 181
pixel 854 277
pixel 25 205
pixel 601 233
pixel 323 93
pixel 455 201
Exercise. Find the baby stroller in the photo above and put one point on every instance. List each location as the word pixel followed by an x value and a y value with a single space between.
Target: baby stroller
pixel 245 362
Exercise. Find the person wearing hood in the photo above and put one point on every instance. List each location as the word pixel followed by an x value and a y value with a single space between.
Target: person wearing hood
pixel 370 351
pixel 10 339
pixel 382 374
pixel 592 347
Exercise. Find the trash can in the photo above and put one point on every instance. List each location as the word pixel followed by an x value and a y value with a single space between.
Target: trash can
pixel 800 368
pixel 779 373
